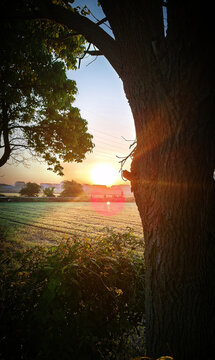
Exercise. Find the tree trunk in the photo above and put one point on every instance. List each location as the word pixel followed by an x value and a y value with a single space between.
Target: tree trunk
pixel 173 184
pixel 4 133
pixel 168 83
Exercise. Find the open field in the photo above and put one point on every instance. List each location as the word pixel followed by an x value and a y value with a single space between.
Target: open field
pixel 50 222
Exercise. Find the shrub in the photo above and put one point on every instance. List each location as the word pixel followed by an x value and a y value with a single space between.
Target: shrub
pixel 75 300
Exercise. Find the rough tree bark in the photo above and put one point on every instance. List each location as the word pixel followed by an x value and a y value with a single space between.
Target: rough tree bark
pixel 174 191
pixel 172 101
pixel 168 83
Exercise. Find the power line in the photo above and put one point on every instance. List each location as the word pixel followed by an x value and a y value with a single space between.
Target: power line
pixel 104 133
pixel 119 148
pixel 106 154
pixel 103 153
pixel 111 141
pixel 122 121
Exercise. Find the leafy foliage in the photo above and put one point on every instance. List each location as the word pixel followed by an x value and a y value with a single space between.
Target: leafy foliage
pixel 30 189
pixel 36 96
pixel 150 358
pixel 49 192
pixel 71 188
pixel 71 301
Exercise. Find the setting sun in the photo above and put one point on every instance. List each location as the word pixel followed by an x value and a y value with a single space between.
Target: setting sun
pixel 104 174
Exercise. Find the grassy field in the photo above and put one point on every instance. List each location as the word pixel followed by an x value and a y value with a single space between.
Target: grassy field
pixel 50 222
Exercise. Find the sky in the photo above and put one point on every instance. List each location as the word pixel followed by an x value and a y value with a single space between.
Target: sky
pixel 103 104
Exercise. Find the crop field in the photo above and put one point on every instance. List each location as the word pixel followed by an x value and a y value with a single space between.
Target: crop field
pixel 33 222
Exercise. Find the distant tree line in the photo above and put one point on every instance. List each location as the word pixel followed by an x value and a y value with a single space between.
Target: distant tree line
pixel 70 188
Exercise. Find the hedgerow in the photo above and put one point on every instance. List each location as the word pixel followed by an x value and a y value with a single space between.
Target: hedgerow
pixel 80 299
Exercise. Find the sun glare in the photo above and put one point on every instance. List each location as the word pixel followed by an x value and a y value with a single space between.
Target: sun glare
pixel 104 174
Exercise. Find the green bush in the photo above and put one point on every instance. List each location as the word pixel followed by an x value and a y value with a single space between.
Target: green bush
pixel 76 300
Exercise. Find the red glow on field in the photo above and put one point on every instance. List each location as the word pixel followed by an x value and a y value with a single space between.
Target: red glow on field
pixel 108 202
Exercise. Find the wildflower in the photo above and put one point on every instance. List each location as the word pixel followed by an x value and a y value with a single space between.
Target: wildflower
pixel 118 292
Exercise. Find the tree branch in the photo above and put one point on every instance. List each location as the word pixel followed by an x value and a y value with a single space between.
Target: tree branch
pixel 7 149
pixel 14 146
pixel 23 127
pixel 90 30
pixel 94 52
pixel 101 21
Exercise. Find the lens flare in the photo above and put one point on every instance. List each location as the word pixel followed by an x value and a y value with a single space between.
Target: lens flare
pixel 108 201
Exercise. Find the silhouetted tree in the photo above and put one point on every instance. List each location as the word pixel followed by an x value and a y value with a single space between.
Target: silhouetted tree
pixel 71 188
pixel 30 189
pixel 36 97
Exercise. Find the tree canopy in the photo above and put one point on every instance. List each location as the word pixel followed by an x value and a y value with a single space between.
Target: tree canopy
pixel 30 189
pixel 49 192
pixel 36 97
pixel 71 188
